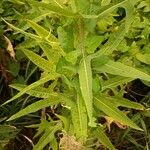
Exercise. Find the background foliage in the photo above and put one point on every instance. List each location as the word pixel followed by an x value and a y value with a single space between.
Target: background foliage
pixel 74 74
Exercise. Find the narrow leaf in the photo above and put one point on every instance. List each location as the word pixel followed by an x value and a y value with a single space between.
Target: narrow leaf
pixel 39 92
pixel 38 60
pixel 22 31
pixel 102 137
pixel 31 86
pixel 123 102
pixel 53 8
pixel 43 33
pixel 114 82
pixel 109 109
pixel 113 42
pixel 85 78
pixel 37 106
pixel 118 68
pixel 47 137
pixel 79 118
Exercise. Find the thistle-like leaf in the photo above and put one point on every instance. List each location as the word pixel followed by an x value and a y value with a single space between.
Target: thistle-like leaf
pixel 53 100
pixel 85 79
pixel 118 68
pixel 109 109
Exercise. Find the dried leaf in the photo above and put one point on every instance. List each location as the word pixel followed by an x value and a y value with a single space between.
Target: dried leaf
pixel 10 48
pixel 110 120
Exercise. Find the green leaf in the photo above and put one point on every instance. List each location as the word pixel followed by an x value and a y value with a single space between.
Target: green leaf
pixel 144 58
pixel 43 33
pixel 146 113
pixel 52 7
pixel 85 79
pixel 118 68
pixel 54 144
pixel 72 56
pixel 93 42
pixel 54 51
pixel 127 4
pixel 66 38
pixel 47 137
pixel 41 126
pixel 23 32
pixel 102 137
pixel 7 133
pixel 53 100
pixel 113 42
pixel 65 122
pixel 31 86
pixel 47 51
pixel 109 109
pixel 79 118
pixel 39 92
pixel 105 2
pixel 122 102
pixel 114 82
pixel 39 61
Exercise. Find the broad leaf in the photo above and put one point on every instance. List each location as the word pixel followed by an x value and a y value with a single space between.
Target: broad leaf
pixel 109 109
pixel 72 56
pixel 93 42
pixel 66 38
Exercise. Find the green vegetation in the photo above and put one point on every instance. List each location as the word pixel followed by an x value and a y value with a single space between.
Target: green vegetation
pixel 68 68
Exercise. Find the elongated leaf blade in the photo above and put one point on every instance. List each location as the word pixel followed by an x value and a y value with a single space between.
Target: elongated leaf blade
pixel 54 8
pixel 109 109
pixel 114 82
pixel 38 60
pixel 79 119
pixel 85 79
pixel 47 51
pixel 53 100
pixel 102 137
pixel 42 32
pixel 118 68
pixel 39 92
pixel 31 86
pixel 65 120
pixel 22 31
pixel 47 137
pixel 113 42
pixel 123 102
